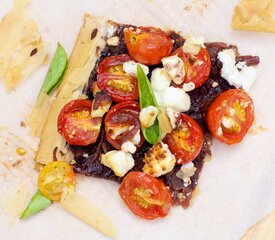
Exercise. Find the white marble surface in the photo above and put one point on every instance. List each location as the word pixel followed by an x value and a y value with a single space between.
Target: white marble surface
pixel 236 186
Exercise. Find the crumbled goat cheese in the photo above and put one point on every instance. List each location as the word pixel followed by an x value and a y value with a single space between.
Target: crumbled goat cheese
pixel 186 172
pixel 173 116
pixel 238 75
pixel 128 146
pixel 215 84
pixel 148 116
pixel 160 79
pixel 136 139
pixel 130 67
pixel 116 131
pixel 111 30
pixel 176 98
pixel 120 162
pixel 175 68
pixel 113 41
pixel 159 160
pixel 158 96
pixel 192 45
pixel 187 87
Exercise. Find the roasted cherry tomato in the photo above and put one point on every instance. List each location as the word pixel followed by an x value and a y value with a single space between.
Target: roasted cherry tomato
pixel 186 140
pixel 147 45
pixel 54 178
pixel 230 116
pixel 112 78
pixel 76 125
pixel 197 67
pixel 122 123
pixel 146 196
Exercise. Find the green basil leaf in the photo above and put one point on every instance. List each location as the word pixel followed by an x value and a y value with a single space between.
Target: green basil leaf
pixel 55 73
pixel 36 204
pixel 147 98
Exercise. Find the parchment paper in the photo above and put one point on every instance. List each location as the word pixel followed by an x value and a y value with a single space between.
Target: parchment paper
pixel 237 187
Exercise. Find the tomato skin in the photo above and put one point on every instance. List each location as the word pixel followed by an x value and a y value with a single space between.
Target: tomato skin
pixel 186 140
pixel 54 177
pixel 243 116
pixel 155 190
pixel 79 130
pixel 112 78
pixel 150 45
pixel 197 69
pixel 123 114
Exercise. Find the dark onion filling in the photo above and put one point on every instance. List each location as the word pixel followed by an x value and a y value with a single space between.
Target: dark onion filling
pixel 88 158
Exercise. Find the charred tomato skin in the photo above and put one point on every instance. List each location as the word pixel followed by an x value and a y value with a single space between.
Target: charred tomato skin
pixel 145 195
pixel 147 45
pixel 124 114
pixel 112 78
pixel 197 68
pixel 186 140
pixel 230 116
pixel 76 125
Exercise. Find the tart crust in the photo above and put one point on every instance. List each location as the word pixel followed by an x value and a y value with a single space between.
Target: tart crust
pixel 89 43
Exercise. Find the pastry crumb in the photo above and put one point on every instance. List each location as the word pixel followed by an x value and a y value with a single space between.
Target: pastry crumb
pixel 257 129
pixel 23 124
pixel 15 164
pixel 187 8
pixel 198 5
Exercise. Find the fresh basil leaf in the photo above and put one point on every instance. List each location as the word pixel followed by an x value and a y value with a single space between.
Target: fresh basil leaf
pixel 146 99
pixel 36 204
pixel 55 73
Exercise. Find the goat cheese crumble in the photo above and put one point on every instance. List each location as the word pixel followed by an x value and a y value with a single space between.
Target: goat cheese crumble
pixel 160 79
pixel 175 68
pixel 193 45
pixel 119 161
pixel 130 67
pixel 239 75
pixel 148 116
pixel 159 160
pixel 186 172
pixel 176 98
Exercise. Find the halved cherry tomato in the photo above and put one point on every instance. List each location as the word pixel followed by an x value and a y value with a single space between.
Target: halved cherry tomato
pixel 145 195
pixel 112 78
pixel 122 123
pixel 186 140
pixel 54 178
pixel 197 68
pixel 230 116
pixel 76 125
pixel 147 45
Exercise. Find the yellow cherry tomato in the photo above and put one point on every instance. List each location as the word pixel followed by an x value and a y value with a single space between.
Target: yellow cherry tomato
pixel 54 178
